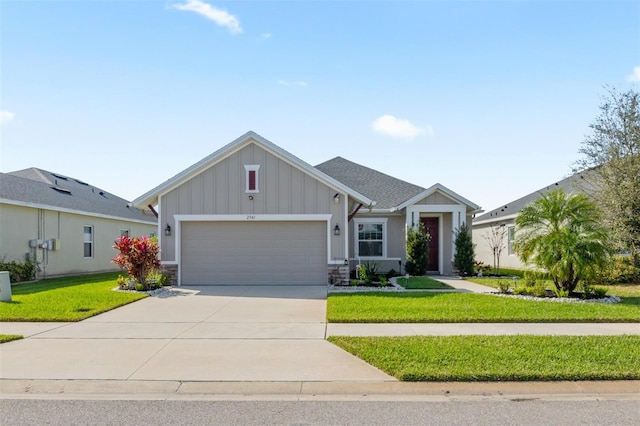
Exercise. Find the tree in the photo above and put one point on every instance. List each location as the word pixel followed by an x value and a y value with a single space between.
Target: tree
pixel 611 159
pixel 417 250
pixel 465 254
pixel 495 240
pixel 563 234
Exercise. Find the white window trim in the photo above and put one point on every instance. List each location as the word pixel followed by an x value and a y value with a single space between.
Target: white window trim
pixel 249 168
pixel 90 242
pixel 356 239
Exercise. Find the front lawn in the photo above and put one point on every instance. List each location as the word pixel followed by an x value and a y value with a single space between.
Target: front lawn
pixel 422 283
pixel 499 358
pixel 65 299
pixel 469 307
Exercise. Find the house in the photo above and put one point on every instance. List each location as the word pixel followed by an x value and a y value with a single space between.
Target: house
pixel 64 224
pixel 504 218
pixel 253 213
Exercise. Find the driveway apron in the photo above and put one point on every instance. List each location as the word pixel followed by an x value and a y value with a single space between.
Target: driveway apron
pixel 231 333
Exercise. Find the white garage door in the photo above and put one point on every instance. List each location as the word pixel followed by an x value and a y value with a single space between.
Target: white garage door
pixel 256 253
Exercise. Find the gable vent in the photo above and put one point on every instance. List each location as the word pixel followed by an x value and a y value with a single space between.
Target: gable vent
pixel 61 190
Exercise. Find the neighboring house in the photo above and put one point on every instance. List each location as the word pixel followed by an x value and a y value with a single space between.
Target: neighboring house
pixel 252 213
pixel 66 225
pixel 505 217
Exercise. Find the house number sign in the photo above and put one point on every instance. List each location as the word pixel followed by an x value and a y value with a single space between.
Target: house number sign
pixel 251 217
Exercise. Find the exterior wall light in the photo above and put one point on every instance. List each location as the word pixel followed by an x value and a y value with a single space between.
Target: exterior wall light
pixel 336 198
pixel 336 230
pixel 167 230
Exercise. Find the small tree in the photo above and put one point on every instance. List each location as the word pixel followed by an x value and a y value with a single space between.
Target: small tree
pixel 417 250
pixel 495 240
pixel 465 255
pixel 138 256
pixel 563 234
pixel 611 157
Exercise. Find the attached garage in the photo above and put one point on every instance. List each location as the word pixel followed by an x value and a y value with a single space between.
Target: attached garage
pixel 253 253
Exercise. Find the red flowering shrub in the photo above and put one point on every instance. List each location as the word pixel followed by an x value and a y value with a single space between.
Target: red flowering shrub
pixel 138 256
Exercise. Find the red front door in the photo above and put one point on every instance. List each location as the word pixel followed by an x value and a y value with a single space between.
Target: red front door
pixel 431 229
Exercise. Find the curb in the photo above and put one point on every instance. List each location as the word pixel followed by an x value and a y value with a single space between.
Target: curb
pixel 309 391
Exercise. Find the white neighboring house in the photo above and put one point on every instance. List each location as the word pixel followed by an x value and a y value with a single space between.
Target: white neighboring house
pixel 505 217
pixel 66 225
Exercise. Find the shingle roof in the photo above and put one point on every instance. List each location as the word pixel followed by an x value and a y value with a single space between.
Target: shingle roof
pixel 386 190
pixel 572 183
pixel 43 188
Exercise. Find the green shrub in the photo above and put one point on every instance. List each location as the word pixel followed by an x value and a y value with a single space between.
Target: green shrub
pixel 383 280
pixel 139 286
pixel 540 289
pixel 560 292
pixel 504 286
pixel 417 250
pixel 619 270
pixel 464 257
pixel 19 271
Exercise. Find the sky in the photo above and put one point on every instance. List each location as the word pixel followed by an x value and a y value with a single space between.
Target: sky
pixel 490 99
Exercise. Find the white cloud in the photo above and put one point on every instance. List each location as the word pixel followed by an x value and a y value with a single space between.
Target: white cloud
pixel 635 76
pixel 6 116
pixel 292 83
pixel 219 16
pixel 397 127
pixel 265 36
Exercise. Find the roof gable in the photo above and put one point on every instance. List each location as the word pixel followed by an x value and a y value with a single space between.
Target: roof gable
pixel 43 189
pixel 151 197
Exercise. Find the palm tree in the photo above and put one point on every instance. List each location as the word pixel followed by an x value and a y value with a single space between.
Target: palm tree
pixel 562 233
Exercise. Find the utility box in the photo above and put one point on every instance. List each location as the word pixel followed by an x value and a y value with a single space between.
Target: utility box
pixel 5 287
pixel 33 243
pixel 54 244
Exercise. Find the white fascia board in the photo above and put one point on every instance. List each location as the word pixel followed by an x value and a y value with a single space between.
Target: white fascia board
pixel 72 211
pixel 151 197
pixel 442 189
pixel 496 219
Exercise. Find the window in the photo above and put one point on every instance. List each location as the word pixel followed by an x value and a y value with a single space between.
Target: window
pixel 252 178
pixel 511 237
pixel 88 242
pixel 370 238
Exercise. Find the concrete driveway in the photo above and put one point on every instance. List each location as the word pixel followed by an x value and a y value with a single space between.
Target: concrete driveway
pixel 242 333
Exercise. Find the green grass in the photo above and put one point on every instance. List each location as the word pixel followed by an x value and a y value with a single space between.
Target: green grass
pixel 4 338
pixel 499 358
pixel 422 283
pixel 65 299
pixel 469 307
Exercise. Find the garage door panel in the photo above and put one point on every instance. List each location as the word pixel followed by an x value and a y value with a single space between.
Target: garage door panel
pixel 228 253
